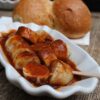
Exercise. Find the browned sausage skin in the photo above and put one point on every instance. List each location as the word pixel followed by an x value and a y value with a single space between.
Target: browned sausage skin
pixel 27 34
pixel 46 55
pixel 36 73
pixel 32 36
pixel 20 51
pixel 61 73
pixel 60 49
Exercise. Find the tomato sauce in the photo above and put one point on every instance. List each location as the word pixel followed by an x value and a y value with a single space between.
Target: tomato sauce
pixel 68 61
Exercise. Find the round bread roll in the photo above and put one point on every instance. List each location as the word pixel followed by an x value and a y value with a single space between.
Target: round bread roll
pixel 72 17
pixel 38 11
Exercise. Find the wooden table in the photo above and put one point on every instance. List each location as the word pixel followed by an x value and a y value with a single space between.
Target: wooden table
pixel 10 92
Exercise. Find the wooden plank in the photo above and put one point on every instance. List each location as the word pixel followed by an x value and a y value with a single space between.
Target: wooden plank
pixel 5 13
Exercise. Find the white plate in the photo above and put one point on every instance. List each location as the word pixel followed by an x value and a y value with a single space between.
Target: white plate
pixel 82 59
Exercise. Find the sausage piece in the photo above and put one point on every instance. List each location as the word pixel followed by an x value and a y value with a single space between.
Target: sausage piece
pixel 61 73
pixel 14 41
pixel 27 34
pixel 36 72
pixel 22 59
pixel 32 36
pixel 60 49
pixel 20 52
pixel 46 55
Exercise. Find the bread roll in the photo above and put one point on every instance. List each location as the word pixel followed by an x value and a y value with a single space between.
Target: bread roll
pixel 38 11
pixel 72 17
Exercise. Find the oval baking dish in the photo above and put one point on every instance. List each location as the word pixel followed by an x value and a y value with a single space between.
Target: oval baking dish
pixel 81 58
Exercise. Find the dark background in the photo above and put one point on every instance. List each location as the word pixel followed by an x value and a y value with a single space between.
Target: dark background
pixel 94 5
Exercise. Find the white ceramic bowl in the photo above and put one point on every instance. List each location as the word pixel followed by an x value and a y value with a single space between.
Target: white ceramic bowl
pixel 82 59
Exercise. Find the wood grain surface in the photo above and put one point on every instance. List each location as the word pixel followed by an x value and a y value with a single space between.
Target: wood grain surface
pixel 10 92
